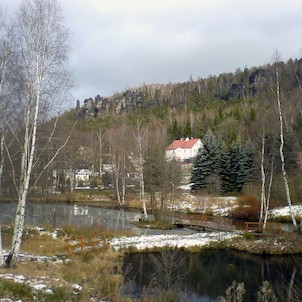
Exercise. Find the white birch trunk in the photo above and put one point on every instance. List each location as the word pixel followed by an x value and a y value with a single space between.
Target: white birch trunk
pixel 24 186
pixel 123 180
pixel 268 198
pixel 263 201
pixel 1 160
pixel 281 152
pixel 1 251
pixel 143 196
pixel 116 168
pixel 141 168
pixel 41 42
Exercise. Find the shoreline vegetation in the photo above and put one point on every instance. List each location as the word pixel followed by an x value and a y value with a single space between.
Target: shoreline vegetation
pixel 286 243
pixel 98 272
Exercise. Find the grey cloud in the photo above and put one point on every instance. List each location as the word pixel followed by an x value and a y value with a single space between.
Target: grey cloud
pixel 120 43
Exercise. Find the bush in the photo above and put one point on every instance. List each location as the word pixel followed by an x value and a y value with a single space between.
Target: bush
pixel 248 208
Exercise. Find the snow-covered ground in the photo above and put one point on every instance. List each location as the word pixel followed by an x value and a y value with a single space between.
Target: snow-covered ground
pixel 222 206
pixel 283 212
pixel 138 242
pixel 178 241
pixel 218 205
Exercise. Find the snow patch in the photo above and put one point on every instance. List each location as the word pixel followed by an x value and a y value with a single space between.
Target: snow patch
pixel 177 241
pixel 281 212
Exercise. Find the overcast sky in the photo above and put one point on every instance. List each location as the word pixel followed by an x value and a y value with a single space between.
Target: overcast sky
pixel 118 44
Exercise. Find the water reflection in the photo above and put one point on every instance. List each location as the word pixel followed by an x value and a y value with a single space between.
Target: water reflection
pixel 59 215
pixel 210 273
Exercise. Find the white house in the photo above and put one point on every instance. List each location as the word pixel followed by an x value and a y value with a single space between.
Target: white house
pixel 83 175
pixel 183 150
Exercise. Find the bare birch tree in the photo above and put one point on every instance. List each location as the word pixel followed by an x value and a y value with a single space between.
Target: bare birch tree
pixel 40 38
pixel 263 180
pixel 137 161
pixel 118 138
pixel 289 202
pixel 265 189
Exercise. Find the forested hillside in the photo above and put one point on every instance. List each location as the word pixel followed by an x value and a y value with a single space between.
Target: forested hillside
pixel 119 136
pixel 235 106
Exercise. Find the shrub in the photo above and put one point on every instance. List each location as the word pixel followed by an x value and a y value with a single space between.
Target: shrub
pixel 265 293
pixel 234 293
pixel 248 208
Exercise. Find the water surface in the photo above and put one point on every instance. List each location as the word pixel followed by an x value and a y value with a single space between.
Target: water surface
pixel 205 276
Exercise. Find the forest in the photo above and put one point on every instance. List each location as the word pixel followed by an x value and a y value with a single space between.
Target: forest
pixel 119 141
pixel 239 109
pixel 120 136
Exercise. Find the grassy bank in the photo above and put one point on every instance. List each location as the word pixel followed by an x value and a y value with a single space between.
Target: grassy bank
pixel 97 273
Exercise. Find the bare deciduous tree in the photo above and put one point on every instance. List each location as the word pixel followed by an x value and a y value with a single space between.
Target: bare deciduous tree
pixel 265 190
pixel 41 41
pixel 288 197
pixel 140 135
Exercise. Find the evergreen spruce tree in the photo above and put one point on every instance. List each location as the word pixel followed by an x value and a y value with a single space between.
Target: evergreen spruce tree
pixel 200 170
pixel 234 158
pixel 221 169
pixel 225 171
pixel 206 164
pixel 245 165
pixel 236 169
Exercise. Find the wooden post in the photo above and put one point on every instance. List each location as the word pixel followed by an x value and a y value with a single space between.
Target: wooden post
pixel 68 247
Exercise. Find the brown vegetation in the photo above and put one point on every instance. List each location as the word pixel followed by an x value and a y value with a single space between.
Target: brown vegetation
pixel 248 208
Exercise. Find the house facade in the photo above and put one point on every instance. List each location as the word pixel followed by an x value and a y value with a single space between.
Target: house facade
pixel 184 149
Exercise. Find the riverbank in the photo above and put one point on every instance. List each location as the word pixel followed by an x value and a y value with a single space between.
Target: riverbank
pixel 244 207
pixel 44 265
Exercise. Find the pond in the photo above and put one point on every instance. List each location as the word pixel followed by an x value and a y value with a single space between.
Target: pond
pixel 61 214
pixel 198 277
pixel 205 276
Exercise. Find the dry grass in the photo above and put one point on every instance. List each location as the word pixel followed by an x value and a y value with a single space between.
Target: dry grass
pixel 286 243
pixel 44 245
pixel 99 271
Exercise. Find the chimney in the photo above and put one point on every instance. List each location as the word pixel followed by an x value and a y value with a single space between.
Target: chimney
pixel 187 139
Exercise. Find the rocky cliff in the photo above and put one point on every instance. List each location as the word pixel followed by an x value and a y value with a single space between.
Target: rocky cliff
pixel 226 87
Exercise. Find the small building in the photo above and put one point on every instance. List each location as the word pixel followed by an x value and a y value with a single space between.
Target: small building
pixel 184 149
pixel 83 175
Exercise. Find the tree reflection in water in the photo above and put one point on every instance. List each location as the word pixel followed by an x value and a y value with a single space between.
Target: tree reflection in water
pixel 206 276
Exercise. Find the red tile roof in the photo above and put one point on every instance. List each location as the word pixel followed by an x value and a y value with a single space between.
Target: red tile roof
pixel 183 143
